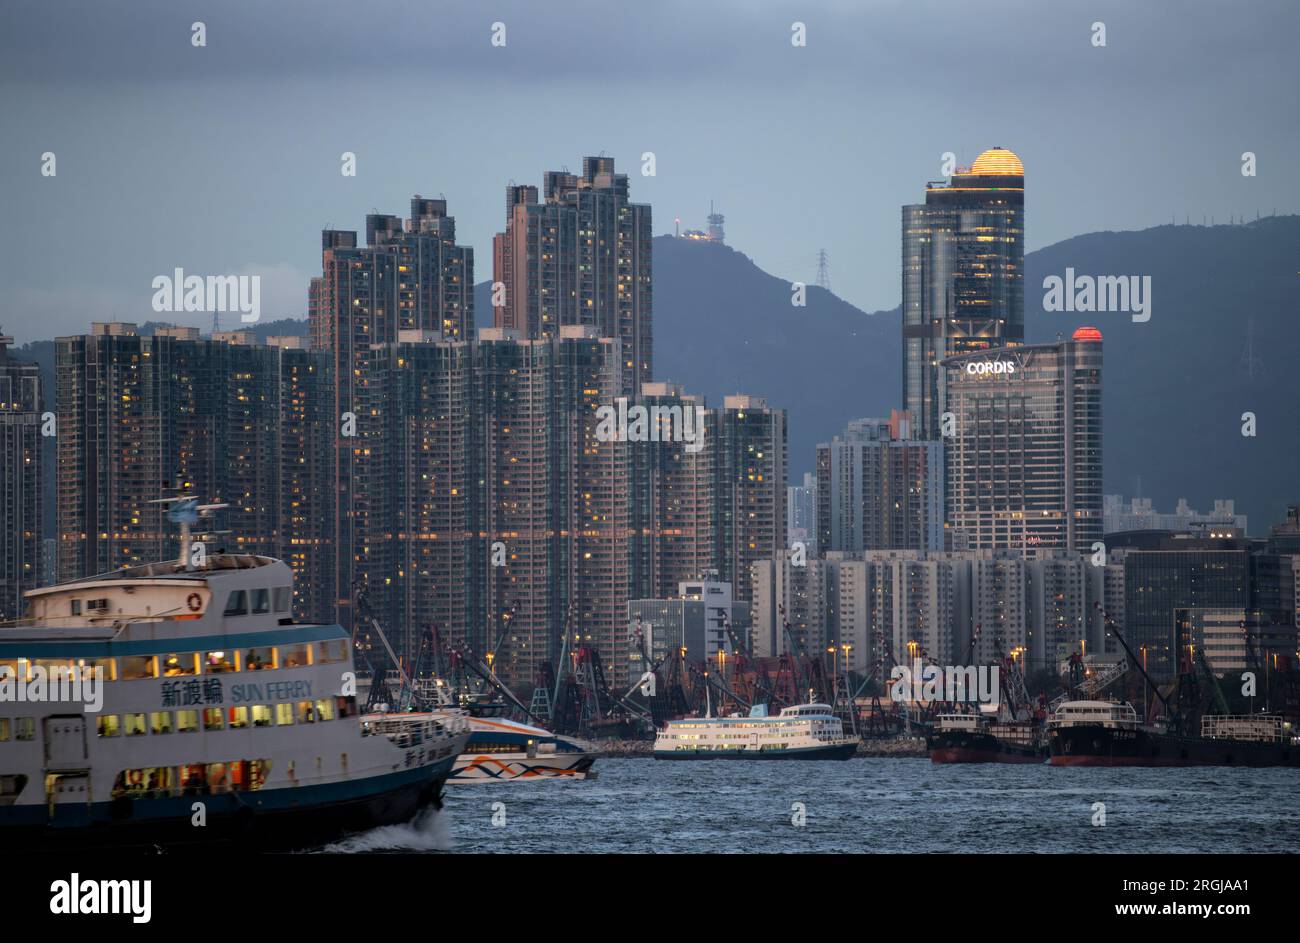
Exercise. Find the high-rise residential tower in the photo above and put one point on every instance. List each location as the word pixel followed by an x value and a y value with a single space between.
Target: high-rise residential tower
pixel 408 277
pixel 581 257
pixel 673 494
pixel 20 480
pixel 225 418
pixel 963 276
pixel 880 489
pixel 1023 465
pixel 750 468
pixel 555 501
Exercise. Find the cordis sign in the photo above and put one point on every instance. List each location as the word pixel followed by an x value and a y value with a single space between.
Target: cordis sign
pixel 985 367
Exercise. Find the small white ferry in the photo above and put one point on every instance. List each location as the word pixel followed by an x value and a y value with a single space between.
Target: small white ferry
pixel 801 732
pixel 215 716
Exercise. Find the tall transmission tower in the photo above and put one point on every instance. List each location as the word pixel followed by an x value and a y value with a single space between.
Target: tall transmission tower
pixel 823 271
pixel 1251 365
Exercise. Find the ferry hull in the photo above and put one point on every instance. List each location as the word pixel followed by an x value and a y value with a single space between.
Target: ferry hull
pixel 285 819
pixel 840 751
pixel 485 768
pixel 967 747
pixel 1096 745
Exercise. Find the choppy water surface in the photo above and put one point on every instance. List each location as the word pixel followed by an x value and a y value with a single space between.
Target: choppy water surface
pixel 862 805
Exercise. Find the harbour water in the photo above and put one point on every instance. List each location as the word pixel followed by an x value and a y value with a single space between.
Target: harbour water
pixel 861 805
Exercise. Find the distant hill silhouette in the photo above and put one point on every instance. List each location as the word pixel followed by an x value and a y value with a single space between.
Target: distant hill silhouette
pixel 723 325
pixel 1175 386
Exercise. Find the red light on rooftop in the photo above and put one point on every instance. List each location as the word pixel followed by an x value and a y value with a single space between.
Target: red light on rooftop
pixel 1087 334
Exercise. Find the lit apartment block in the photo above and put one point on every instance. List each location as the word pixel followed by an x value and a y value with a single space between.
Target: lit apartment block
pixel 580 257
pixel 21 474
pixel 880 489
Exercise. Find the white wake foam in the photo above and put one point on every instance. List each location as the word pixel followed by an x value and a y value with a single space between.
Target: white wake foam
pixel 428 831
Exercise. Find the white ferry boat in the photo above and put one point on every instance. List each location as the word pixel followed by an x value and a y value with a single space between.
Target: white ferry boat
pixel 500 749
pixel 218 718
pixel 802 732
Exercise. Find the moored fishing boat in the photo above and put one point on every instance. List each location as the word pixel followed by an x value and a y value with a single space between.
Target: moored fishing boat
pixel 1107 733
pixel 971 738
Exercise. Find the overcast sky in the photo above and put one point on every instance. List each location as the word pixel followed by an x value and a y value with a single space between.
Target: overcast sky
pixel 225 159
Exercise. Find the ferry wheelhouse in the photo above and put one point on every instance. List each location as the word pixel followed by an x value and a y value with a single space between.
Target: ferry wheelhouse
pixel 174 704
pixel 803 732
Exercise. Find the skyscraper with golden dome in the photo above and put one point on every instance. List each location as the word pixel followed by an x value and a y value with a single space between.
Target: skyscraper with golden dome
pixel 963 276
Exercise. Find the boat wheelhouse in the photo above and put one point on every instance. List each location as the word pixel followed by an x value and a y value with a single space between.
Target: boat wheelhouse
pixel 1115 715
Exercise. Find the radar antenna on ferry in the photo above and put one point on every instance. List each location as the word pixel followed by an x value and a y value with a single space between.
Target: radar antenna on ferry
pixel 184 509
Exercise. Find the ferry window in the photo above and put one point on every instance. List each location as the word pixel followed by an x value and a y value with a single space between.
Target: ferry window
pixel 54 668
pixel 216 663
pixel 261 601
pixel 282 597
pixel 347 706
pixel 237 603
pixel 330 651
pixel 25 728
pixel 160 722
pixel 187 721
pixel 160 778
pixel 325 709
pixel 294 656
pixel 142 783
pixel 305 713
pixel 133 725
pixel 284 714
pixel 257 659
pixel 4 729
pixel 134 667
pixel 107 725
pixel 217 777
pixel 186 663
pixel 75 605
pixel 258 770
pixel 194 778
pixel 261 715
pixel 108 667
pixel 212 718
pixel 237 717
